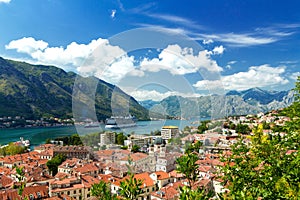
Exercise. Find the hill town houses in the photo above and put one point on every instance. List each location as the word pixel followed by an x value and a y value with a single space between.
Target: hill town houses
pixel 154 165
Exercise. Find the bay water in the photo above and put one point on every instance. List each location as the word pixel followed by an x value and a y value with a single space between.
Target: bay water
pixel 38 135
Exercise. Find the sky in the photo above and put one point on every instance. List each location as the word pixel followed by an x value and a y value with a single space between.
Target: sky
pixel 154 49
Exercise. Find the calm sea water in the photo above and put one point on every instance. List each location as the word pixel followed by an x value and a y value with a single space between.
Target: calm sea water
pixel 39 135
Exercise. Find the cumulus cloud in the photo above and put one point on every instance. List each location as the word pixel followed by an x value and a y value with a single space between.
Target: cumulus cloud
pixel 180 61
pixel 218 50
pixel 70 58
pixel 5 1
pixel 111 63
pixel 27 45
pixel 256 76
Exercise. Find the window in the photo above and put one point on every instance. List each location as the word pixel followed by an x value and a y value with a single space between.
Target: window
pixel 31 197
pixel 39 195
pixel 74 192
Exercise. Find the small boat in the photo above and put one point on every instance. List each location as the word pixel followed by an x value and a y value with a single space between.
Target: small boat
pixel 23 142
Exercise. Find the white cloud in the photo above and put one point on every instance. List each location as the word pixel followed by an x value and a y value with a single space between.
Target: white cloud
pixel 27 45
pixel 209 41
pixel 218 50
pixel 113 13
pixel 228 67
pixel 5 1
pixel 295 75
pixel 239 40
pixel 176 19
pixel 163 28
pixel 69 58
pixel 154 95
pixel 114 72
pixel 111 63
pixel 256 76
pixel 232 62
pixel 180 61
pixel 289 62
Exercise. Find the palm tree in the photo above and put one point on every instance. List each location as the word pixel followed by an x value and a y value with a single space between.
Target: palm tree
pixel 187 193
pixel 186 165
pixel 131 188
pixel 102 191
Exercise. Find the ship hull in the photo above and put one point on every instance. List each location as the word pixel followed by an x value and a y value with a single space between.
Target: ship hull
pixel 109 126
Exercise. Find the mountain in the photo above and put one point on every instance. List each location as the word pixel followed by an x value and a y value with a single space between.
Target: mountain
pixel 259 95
pixel 35 91
pixel 250 101
pixel 148 104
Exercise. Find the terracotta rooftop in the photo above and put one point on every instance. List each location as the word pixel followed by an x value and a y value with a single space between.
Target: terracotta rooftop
pixel 91 167
pixel 147 181
pixel 138 156
pixel 5 181
pixel 36 191
pixel 175 174
pixel 170 191
pixel 162 175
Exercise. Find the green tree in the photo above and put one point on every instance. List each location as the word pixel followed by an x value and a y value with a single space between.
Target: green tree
pixel 135 148
pixel 203 126
pixel 48 141
pixel 194 147
pixel 71 140
pixel 75 140
pixel 187 193
pixel 54 163
pixel 102 191
pixel 269 166
pixel 186 165
pixel 20 175
pixel 242 128
pixel 124 147
pixel 262 169
pixel 266 125
pixel 120 137
pixel 13 149
pixel 131 188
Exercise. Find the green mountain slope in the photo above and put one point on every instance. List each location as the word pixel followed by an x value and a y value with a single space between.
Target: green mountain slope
pixel 35 91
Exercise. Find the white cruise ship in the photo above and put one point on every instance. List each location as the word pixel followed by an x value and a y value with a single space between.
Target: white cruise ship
pixel 116 122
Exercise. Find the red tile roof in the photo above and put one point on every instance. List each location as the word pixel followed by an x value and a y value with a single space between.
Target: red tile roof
pixel 36 191
pixel 147 181
pixel 5 181
pixel 162 175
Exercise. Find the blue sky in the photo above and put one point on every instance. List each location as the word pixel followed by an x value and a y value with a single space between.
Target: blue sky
pixel 244 43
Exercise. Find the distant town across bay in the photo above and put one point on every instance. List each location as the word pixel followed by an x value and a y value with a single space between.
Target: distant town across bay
pixel 39 135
